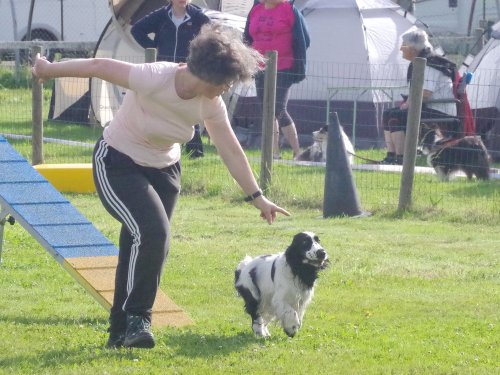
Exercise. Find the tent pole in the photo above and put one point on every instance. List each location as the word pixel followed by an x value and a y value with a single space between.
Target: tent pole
pixel 471 16
pixel 62 20
pixel 30 19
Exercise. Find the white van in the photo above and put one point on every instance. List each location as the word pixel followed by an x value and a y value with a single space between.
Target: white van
pixel 56 20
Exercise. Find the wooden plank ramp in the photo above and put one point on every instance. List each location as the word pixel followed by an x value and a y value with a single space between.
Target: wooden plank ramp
pixel 72 240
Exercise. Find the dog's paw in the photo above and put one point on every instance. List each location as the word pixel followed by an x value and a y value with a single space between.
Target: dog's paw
pixel 266 332
pixel 260 330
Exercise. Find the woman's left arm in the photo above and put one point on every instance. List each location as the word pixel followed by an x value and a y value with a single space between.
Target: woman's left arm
pixel 236 161
pixel 113 71
pixel 431 79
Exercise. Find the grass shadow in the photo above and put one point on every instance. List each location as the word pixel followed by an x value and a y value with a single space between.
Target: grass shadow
pixel 72 357
pixel 193 345
pixel 32 320
pixel 184 343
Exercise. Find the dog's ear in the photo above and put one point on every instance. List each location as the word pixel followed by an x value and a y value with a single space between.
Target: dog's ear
pixel 298 243
pixel 301 239
pixel 294 253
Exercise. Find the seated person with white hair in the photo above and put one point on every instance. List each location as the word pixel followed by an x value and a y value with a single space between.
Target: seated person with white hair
pixel 438 84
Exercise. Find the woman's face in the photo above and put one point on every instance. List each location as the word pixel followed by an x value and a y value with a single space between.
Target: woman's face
pixel 180 3
pixel 409 53
pixel 211 91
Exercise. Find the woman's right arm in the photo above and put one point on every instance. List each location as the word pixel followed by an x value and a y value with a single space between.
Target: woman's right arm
pixel 247 39
pixel 145 26
pixel 113 71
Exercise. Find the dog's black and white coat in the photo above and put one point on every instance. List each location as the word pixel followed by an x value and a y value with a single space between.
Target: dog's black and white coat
pixel 280 286
pixel 446 156
pixel 317 151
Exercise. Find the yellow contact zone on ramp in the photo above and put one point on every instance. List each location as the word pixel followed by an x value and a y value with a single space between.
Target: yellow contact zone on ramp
pixel 69 178
pixel 97 276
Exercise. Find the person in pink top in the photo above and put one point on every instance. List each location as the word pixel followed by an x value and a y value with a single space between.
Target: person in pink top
pixel 136 163
pixel 277 25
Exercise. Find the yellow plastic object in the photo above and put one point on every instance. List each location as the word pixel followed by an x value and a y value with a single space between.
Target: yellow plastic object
pixel 69 178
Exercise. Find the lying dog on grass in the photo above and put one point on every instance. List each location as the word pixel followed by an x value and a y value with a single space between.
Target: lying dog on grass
pixel 280 286
pixel 317 151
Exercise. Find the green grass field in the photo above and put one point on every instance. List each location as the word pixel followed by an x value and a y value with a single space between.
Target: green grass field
pixel 402 296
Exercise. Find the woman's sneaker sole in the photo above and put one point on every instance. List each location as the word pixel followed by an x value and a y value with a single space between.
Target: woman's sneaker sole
pixel 115 341
pixel 143 340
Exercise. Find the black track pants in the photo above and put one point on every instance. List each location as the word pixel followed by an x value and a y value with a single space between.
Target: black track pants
pixel 142 199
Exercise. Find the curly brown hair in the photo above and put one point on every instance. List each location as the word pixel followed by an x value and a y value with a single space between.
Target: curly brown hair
pixel 217 55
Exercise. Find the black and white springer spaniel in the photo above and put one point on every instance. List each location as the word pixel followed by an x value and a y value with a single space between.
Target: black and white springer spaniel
pixel 280 286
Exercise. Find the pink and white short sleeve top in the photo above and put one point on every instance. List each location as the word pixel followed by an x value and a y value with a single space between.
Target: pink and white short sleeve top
pixel 153 119
pixel 271 29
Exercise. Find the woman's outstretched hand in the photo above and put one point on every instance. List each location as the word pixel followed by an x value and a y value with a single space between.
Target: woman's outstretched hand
pixel 39 67
pixel 268 209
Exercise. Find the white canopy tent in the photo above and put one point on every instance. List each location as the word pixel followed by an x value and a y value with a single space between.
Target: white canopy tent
pixel 354 46
pixel 484 89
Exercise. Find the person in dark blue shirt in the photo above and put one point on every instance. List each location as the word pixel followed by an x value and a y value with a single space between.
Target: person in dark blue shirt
pixel 173 27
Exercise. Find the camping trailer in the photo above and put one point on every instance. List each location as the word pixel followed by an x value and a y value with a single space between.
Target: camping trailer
pixel 53 20
pixel 457 17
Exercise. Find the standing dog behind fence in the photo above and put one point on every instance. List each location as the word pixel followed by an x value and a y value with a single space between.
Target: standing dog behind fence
pixel 446 156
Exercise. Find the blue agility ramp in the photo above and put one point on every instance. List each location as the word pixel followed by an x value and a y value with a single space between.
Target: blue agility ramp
pixel 72 240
